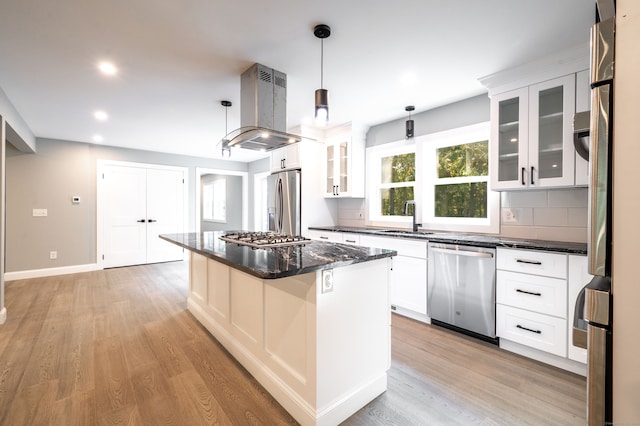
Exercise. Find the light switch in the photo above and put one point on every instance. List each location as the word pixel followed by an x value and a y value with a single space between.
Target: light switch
pixel 39 212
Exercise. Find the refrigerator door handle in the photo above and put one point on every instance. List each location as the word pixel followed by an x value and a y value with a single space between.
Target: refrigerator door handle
pixel 598 187
pixel 279 206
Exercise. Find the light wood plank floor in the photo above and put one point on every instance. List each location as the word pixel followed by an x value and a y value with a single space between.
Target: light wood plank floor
pixel 118 347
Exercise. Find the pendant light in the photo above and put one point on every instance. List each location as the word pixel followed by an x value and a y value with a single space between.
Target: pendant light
pixel 408 125
pixel 225 142
pixel 322 31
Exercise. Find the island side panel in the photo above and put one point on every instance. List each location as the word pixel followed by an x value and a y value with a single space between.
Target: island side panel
pixel 353 339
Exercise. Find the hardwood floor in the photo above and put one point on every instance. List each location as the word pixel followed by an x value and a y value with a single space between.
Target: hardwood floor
pixel 118 347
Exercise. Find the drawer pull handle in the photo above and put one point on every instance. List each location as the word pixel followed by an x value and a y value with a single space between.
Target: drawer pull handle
pixel 350 241
pixel 529 329
pixel 324 238
pixel 528 292
pixel 529 262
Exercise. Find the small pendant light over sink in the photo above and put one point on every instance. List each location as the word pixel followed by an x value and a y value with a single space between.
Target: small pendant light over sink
pixel 322 31
pixel 408 125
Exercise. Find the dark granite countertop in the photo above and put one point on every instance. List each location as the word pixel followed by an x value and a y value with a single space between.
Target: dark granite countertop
pixel 277 262
pixel 477 240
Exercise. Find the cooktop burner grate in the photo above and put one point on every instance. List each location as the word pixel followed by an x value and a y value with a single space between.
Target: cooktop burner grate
pixel 264 239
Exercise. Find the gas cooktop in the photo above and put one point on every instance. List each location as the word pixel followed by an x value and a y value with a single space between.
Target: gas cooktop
pixel 264 239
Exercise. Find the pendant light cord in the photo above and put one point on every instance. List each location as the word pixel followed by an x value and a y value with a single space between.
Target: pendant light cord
pixel 322 63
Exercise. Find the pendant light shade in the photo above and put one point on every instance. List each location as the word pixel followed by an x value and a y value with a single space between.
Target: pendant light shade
pixel 408 125
pixel 322 31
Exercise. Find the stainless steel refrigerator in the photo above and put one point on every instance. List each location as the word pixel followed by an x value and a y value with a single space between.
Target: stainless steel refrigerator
pixel 592 328
pixel 283 202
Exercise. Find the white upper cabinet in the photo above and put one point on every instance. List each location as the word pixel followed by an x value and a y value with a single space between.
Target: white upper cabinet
pixel 286 158
pixel 532 136
pixel 343 172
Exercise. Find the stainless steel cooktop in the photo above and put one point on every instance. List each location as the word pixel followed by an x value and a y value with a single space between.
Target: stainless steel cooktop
pixel 264 239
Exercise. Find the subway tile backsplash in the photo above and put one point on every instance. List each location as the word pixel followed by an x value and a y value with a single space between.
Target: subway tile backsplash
pixel 554 214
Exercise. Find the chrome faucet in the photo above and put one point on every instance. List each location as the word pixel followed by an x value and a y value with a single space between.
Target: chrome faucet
pixel 406 211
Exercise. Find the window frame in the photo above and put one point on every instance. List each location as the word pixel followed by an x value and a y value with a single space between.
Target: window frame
pixel 374 183
pixel 427 147
pixel 212 195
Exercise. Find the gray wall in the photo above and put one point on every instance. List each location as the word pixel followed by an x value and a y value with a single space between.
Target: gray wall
pixel 255 167
pixel 234 203
pixel 458 114
pixel 48 179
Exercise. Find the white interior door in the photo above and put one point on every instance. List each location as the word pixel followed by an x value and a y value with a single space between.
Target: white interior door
pixel 140 204
pixel 125 215
pixel 165 213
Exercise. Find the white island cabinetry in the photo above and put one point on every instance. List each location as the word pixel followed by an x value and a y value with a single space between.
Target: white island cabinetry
pixel 322 355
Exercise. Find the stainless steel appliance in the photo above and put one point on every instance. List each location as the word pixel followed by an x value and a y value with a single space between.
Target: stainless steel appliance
pixel 283 202
pixel 264 239
pixel 462 287
pixel 263 108
pixel 592 328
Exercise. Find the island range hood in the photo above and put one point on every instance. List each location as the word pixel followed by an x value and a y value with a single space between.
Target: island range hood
pixel 263 109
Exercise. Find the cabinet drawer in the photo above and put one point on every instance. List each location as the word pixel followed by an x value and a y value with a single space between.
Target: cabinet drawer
pixel 532 262
pixel 403 246
pixel 538 331
pixel 544 295
pixel 334 237
pixel 351 239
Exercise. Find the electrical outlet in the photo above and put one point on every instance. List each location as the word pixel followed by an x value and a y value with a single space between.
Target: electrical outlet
pixel 327 281
pixel 509 216
pixel 53 255
pixel 39 212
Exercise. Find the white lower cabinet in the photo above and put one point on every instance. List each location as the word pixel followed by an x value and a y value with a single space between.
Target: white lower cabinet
pixel 544 332
pixel 409 274
pixel 534 306
pixel 329 236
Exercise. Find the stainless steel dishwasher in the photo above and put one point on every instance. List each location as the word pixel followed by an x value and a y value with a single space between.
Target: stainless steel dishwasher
pixel 462 287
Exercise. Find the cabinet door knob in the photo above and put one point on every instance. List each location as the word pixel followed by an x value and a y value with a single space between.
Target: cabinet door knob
pixel 141 221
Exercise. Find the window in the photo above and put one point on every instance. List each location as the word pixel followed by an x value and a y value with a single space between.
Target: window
pixel 214 201
pixel 461 188
pixel 394 169
pixel 456 191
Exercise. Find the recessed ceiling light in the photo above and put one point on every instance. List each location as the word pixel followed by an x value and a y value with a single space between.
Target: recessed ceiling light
pixel 107 68
pixel 98 138
pixel 101 115
pixel 408 79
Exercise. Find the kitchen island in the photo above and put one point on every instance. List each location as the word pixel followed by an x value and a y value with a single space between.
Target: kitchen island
pixel 311 322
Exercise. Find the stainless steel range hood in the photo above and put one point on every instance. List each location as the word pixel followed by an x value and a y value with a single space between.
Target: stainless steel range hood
pixel 263 109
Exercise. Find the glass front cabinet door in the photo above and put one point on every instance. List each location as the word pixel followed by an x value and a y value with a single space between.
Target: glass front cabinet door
pixel 531 136
pixel 337 168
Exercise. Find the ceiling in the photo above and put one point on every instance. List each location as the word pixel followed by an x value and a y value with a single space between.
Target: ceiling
pixel 178 59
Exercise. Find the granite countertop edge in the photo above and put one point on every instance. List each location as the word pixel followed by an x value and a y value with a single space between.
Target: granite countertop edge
pixel 477 240
pixel 352 255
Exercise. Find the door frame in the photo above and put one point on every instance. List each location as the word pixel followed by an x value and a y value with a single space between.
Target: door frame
pixel 200 171
pixel 100 194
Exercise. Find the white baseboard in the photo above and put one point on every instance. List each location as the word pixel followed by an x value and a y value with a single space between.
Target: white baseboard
pixel 48 272
pixel 547 358
pixel 3 315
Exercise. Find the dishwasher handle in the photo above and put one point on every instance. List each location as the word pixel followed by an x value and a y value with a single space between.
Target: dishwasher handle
pixel 483 254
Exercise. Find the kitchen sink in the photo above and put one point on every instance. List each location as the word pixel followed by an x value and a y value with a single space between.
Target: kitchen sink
pixel 401 231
